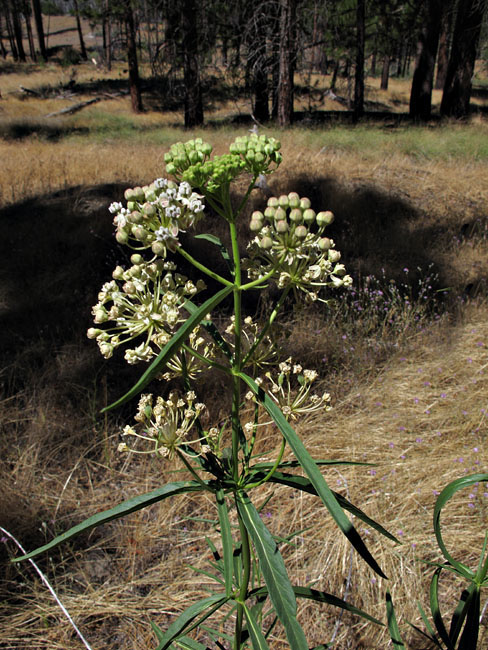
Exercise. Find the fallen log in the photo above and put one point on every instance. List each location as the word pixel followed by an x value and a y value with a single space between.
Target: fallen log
pixel 75 108
pixel 29 91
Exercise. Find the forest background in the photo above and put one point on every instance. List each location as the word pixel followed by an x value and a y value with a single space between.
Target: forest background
pixel 381 110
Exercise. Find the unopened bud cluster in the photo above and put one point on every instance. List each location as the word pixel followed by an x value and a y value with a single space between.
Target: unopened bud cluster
pixel 155 214
pixel 289 244
pixel 142 301
pixel 252 153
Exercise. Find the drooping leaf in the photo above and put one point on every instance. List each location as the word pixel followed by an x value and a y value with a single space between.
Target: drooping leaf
pixel 274 572
pixel 435 609
pixel 442 499
pixel 302 483
pixel 121 510
pixel 313 472
pixel 172 346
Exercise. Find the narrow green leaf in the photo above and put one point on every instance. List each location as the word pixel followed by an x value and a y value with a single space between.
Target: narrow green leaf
pixel 187 643
pixel 436 611
pixel 392 623
pixel 274 572
pixel 469 637
pixel 186 620
pixel 321 461
pixel 227 544
pixel 257 638
pixel 303 484
pixel 121 510
pixel 432 635
pixel 172 346
pixel 321 597
pixel 442 499
pixel 314 474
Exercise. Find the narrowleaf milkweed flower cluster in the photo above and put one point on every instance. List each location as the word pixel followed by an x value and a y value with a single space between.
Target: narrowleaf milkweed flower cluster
pixel 289 247
pixel 144 300
pixel 166 424
pixel 143 305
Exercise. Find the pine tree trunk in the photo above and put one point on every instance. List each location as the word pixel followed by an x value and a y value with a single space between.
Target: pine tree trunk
pixel 17 27
pixel 36 10
pixel 257 64
pixel 423 77
pixel 358 105
pixel 84 55
pixel 443 51
pixel 193 90
pixel 134 81
pixel 11 36
pixel 286 62
pixel 457 89
pixel 385 72
pixel 30 38
pixel 107 35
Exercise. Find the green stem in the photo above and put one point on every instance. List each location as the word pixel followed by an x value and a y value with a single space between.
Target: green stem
pixel 192 471
pixel 272 470
pixel 268 324
pixel 247 194
pixel 203 268
pixel 208 362
pixel 243 589
pixel 236 361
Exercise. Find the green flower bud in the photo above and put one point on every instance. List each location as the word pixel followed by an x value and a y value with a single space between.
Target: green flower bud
pixel 279 214
pixel 273 202
pixel 171 169
pixel 206 149
pixel 324 244
pixel 257 214
pixel 266 243
pixel 309 215
pixel 100 316
pixel 301 232
pixel 293 200
pixel 149 209
pixel 283 201
pixel 281 226
pixel 325 218
pixel 134 217
pixel 296 215
pixel 139 233
pixel 340 270
pixel 255 225
pixel 135 271
pixel 305 203
pixel 136 259
pixel 129 194
pixel 269 213
pixel 334 256
pixel 118 273
pixel 139 194
pixel 122 237
pixel 93 332
pixel 158 248
pixel 129 288
pixel 131 205
pixel 106 349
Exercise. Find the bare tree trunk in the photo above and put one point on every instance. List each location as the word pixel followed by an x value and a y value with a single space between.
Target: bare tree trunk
pixel 36 10
pixel 423 77
pixel 17 26
pixel 2 46
pixel 11 35
pixel 134 80
pixel 107 35
pixel 191 71
pixel 28 26
pixel 84 55
pixel 287 62
pixel 257 62
pixel 358 104
pixel 385 72
pixel 457 89
pixel 443 52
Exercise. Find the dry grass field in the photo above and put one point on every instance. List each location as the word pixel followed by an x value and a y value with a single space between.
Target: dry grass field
pixel 407 369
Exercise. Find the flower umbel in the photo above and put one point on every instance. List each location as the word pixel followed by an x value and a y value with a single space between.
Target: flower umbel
pixel 166 424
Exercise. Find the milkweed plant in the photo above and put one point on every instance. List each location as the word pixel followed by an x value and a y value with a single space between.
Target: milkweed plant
pixel 163 318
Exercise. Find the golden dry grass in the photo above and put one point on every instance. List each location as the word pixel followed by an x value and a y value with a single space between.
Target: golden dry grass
pixel 417 410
